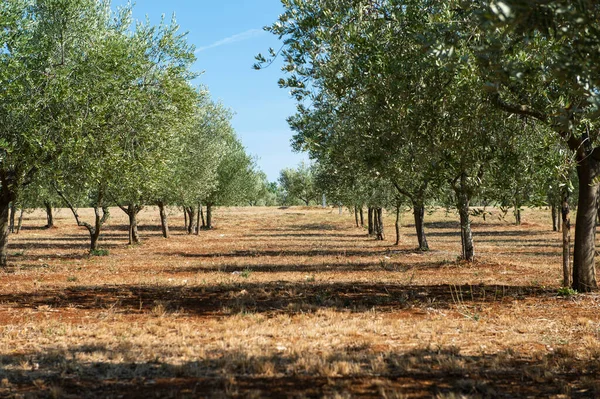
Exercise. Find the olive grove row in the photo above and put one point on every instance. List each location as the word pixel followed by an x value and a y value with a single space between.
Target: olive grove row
pixel 450 101
pixel 96 111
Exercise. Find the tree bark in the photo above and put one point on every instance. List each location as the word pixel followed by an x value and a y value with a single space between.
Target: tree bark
pixel 49 215
pixel 191 219
pixel 164 220
pixel 198 219
pixel 517 215
pixel 370 221
pixel 397 225
pixel 133 210
pixel 99 220
pixel 13 211
pixel 4 216
pixel 566 217
pixel 419 213
pixel 584 250
pixel 380 235
pixel 558 221
pixel 554 218
pixel 201 216
pixel 20 222
pixel 356 215
pixel 209 216
pixel 362 217
pixel 185 218
pixel 468 251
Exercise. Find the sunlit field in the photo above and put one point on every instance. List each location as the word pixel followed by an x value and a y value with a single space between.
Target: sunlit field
pixel 294 302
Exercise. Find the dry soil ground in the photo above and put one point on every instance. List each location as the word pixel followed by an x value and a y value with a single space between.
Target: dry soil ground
pixel 293 303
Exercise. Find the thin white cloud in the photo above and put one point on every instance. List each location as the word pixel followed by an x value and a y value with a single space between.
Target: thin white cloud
pixel 249 34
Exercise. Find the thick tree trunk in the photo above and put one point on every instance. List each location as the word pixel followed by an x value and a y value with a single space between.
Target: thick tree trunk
pixel 380 235
pixel 356 215
pixel 164 220
pixel 554 218
pixel 468 251
pixel 397 225
pixel 362 217
pixel 185 218
pixel 566 217
pixel 4 212
pixel 370 221
pixel 191 219
pixel 20 222
pixel 49 215
pixel 209 216
pixel 132 212
pixel 584 250
pixel 419 213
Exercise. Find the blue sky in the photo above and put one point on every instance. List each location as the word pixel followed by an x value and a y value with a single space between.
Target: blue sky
pixel 227 35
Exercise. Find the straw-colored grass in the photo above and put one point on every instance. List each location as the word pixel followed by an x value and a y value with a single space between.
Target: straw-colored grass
pixel 293 302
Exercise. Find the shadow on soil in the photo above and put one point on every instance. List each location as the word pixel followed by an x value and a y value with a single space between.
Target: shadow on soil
pixel 419 373
pixel 271 298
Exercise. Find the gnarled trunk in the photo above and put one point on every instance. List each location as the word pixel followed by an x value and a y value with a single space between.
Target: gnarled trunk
pixel 370 221
pixel 198 217
pixel 419 213
pixel 4 211
pixel 584 250
pixel 201 212
pixel 468 251
pixel 209 216
pixel 132 212
pixel 13 211
pixel 20 222
pixel 49 215
pixel 191 219
pixel 379 231
pixel 164 221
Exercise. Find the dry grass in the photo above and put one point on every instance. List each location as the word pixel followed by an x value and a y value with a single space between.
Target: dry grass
pixel 293 303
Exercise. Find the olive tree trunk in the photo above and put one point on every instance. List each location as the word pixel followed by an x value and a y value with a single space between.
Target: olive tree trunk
pixel 566 241
pixel 362 217
pixel 419 213
pixel 164 220
pixel 397 225
pixel 4 211
pixel 584 249
pixel 356 215
pixel 99 219
pixel 209 216
pixel 49 215
pixel 554 218
pixel 370 221
pixel 20 222
pixel 379 230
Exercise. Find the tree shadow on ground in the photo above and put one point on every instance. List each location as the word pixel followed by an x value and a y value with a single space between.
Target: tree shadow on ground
pixel 285 253
pixel 272 298
pixel 418 373
pixel 314 268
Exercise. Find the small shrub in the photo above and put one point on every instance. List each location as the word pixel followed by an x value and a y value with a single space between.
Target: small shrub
pixel 71 279
pixel 566 292
pixel 246 273
pixel 99 252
